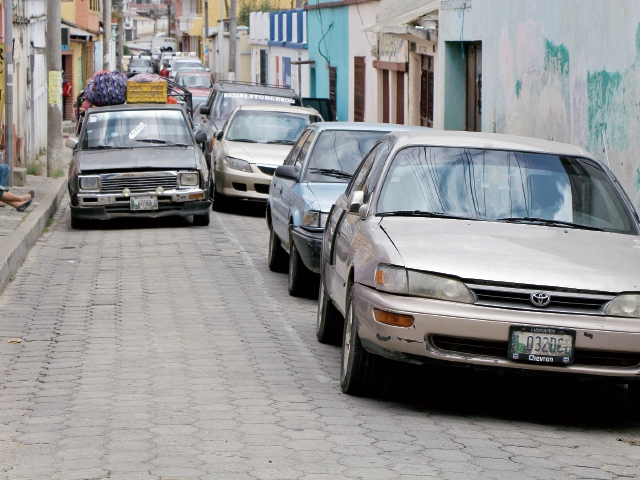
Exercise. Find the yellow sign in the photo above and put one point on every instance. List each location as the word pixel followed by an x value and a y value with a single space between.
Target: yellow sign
pixel 55 88
pixel 1 77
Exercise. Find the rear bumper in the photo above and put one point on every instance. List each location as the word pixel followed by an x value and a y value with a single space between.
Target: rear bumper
pixel 309 245
pixel 164 210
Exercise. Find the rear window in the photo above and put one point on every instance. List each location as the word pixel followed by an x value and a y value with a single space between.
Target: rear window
pixel 139 62
pixel 226 102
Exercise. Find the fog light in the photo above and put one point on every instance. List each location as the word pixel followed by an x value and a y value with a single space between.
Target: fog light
pixel 391 318
pixel 159 190
pixel 126 192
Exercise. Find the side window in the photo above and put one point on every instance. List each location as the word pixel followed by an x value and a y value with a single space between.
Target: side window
pixel 290 160
pixel 376 170
pixel 305 149
pixel 362 173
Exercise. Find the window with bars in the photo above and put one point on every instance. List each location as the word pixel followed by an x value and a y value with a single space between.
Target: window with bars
pixel 94 5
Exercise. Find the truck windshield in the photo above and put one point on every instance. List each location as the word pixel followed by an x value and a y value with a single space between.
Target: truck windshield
pixel 135 129
pixel 509 186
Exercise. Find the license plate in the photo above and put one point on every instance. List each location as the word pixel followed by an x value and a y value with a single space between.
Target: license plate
pixel 541 344
pixel 144 203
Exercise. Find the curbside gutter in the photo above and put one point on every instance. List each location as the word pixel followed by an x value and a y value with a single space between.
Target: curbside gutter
pixel 15 247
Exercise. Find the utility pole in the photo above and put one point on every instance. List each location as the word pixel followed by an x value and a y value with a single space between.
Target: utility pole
pixel 8 89
pixel 54 106
pixel 206 32
pixel 120 31
pixel 168 18
pixel 233 21
pixel 106 25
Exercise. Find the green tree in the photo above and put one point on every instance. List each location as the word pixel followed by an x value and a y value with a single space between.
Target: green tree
pixel 245 7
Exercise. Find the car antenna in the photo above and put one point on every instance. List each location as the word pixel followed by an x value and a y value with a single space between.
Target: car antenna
pixel 603 127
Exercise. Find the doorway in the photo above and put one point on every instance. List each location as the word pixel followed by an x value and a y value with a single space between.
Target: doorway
pixel 358 89
pixel 426 92
pixel 474 86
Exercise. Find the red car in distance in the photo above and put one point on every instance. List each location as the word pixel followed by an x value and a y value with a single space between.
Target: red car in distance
pixel 199 83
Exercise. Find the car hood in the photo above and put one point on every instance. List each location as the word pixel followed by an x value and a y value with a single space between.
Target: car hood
pixel 136 158
pixel 258 152
pixel 524 254
pixel 326 194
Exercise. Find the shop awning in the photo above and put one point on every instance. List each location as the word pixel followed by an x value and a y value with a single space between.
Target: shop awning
pixel 404 17
pixel 76 32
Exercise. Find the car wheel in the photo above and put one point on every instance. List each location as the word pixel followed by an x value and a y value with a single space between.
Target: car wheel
pixel 634 393
pixel 329 322
pixel 277 258
pixel 359 369
pixel 202 220
pixel 300 277
pixel 77 223
pixel 219 200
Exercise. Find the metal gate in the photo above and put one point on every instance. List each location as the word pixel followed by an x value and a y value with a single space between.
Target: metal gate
pixel 263 66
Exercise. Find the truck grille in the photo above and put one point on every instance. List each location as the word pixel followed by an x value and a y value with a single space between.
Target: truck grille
pixel 520 299
pixel 138 182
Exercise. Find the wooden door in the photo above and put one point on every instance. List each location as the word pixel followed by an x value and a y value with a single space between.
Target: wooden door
pixel 426 92
pixel 333 79
pixel 400 98
pixel 385 96
pixel 474 86
pixel 358 89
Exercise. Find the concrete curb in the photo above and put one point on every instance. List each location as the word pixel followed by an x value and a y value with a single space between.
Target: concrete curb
pixel 14 249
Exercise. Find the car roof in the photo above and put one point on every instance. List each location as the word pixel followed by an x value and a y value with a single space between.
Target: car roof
pixel 363 126
pixel 494 141
pixel 270 107
pixel 137 106
pixel 224 86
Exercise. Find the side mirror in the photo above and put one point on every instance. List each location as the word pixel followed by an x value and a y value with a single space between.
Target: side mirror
pixel 204 110
pixel 289 172
pixel 219 134
pixel 355 201
pixel 71 143
pixel 201 137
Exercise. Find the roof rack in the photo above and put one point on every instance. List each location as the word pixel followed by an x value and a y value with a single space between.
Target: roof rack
pixel 255 84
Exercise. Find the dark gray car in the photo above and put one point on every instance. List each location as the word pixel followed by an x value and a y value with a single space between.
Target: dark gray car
pixel 138 161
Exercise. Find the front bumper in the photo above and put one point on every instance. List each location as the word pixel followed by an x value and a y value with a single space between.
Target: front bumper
pixel 235 183
pixel 309 245
pixel 102 206
pixel 606 338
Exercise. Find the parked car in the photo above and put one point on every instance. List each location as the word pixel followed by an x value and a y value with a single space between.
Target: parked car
pixel 199 83
pixel 302 191
pixel 255 140
pixel 140 64
pixel 186 63
pixel 483 250
pixel 138 161
pixel 226 96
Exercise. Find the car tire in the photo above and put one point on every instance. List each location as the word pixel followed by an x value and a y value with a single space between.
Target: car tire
pixel 329 321
pixel 77 223
pixel 202 220
pixel 300 277
pixel 277 258
pixel 360 371
pixel 634 393
pixel 219 200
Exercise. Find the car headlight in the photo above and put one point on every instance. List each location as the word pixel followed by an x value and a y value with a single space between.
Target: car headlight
pixel 89 183
pixel 390 278
pixel 625 305
pixel 189 179
pixel 314 218
pixel 237 164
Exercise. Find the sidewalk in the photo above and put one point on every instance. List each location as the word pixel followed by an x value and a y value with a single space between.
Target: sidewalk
pixel 20 230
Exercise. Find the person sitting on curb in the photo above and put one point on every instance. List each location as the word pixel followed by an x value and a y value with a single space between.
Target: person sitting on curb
pixel 19 202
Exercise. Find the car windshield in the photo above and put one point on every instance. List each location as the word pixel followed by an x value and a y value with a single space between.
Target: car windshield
pixel 226 103
pixel 195 81
pixel 140 63
pixel 135 129
pixel 338 151
pixel 256 126
pixel 505 186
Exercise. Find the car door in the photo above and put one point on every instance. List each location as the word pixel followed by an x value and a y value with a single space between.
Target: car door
pixel 279 210
pixel 343 245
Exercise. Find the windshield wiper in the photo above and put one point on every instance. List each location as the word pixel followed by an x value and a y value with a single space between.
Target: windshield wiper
pixel 422 213
pixel 548 222
pixel 247 140
pixel 104 147
pixel 162 142
pixel 283 142
pixel 331 172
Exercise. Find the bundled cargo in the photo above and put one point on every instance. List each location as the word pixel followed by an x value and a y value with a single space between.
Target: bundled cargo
pixel 108 88
pixel 146 88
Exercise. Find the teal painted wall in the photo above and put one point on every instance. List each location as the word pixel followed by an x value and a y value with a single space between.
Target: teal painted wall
pixel 328 45
pixel 454 87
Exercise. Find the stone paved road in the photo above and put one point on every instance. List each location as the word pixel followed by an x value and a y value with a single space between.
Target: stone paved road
pixel 167 351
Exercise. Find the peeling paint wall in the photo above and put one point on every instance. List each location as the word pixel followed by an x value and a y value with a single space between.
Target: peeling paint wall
pixel 557 70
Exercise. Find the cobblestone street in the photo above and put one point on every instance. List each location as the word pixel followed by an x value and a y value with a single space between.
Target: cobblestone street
pixel 160 350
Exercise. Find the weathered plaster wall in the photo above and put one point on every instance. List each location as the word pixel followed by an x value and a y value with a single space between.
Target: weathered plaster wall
pixel 360 44
pixel 557 70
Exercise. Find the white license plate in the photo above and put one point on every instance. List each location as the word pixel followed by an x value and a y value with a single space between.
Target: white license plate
pixel 144 203
pixel 541 344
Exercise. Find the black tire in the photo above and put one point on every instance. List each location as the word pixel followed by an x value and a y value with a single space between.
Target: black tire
pixel 329 321
pixel 77 223
pixel 634 393
pixel 301 278
pixel 359 373
pixel 202 220
pixel 277 258
pixel 219 201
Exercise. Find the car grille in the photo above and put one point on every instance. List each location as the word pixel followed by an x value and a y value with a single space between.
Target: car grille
pixel 267 170
pixel 137 182
pixel 494 349
pixel 520 299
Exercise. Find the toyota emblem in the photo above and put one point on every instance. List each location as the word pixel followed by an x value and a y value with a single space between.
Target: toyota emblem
pixel 540 299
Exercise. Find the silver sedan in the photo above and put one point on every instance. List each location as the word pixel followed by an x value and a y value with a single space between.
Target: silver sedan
pixel 486 250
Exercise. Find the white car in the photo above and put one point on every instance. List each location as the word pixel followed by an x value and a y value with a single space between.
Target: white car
pixel 255 140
